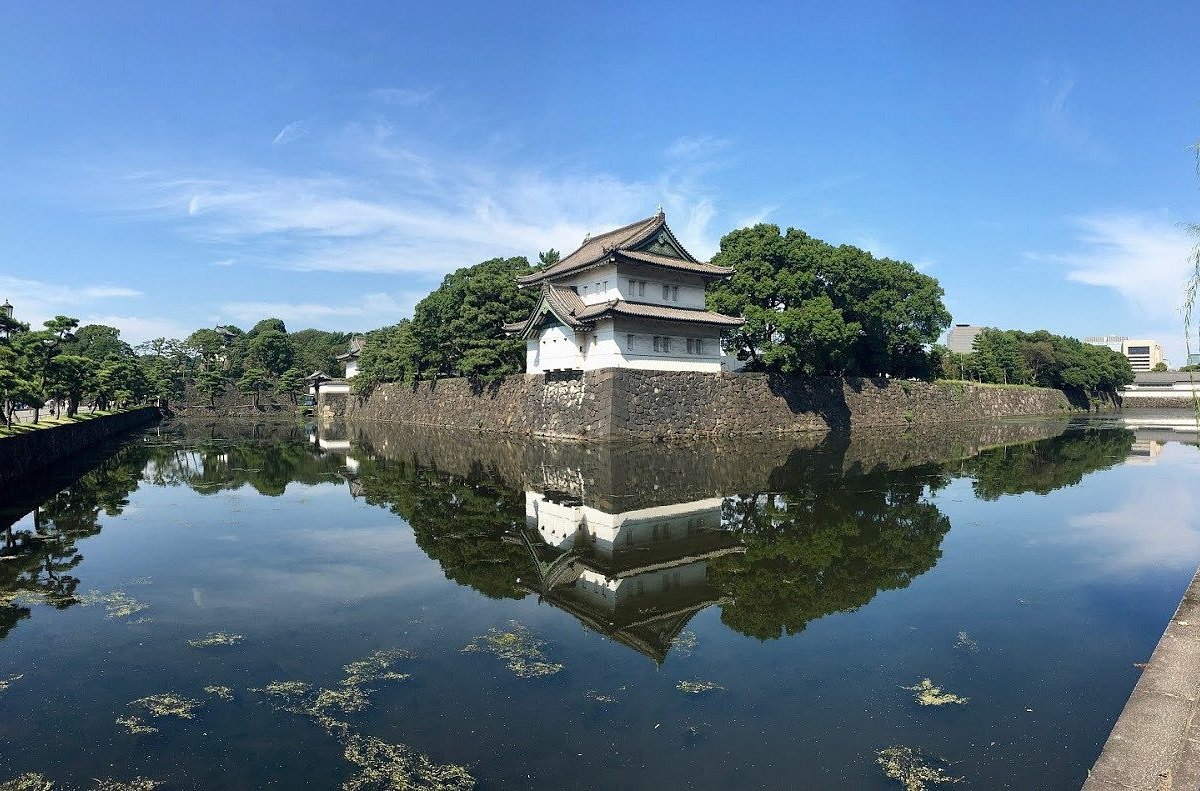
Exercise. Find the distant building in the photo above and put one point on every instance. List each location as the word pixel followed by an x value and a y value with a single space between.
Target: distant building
pixel 350 358
pixel 1193 359
pixel 961 339
pixel 629 298
pixel 1173 385
pixel 1143 354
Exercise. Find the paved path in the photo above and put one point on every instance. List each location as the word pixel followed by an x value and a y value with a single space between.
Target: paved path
pixel 1155 745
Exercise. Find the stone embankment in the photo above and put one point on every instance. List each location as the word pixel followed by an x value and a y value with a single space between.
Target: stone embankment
pixel 628 404
pixel 25 454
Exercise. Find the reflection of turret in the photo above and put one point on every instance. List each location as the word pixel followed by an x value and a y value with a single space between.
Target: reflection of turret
pixel 637 577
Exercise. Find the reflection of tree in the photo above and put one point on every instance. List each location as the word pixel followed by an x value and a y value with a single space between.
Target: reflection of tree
pixel 459 522
pixel 211 465
pixel 1044 466
pixel 41 558
pixel 827 545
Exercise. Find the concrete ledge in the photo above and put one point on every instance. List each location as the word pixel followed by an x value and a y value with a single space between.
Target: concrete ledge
pixel 25 454
pixel 1155 745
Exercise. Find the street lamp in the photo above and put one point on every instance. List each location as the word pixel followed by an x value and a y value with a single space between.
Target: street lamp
pixel 6 310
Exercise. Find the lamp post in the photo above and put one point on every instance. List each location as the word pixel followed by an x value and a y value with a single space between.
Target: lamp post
pixel 6 314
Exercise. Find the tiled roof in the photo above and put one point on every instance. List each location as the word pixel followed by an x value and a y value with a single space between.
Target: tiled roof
pixel 1164 377
pixel 674 263
pixel 661 312
pixel 597 250
pixel 563 302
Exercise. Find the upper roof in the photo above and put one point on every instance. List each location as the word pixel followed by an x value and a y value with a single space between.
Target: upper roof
pixel 356 347
pixel 1165 377
pixel 647 241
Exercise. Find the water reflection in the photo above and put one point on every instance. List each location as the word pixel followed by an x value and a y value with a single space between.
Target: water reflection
pixel 632 541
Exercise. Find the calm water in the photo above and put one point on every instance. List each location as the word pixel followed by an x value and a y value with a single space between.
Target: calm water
pixel 793 588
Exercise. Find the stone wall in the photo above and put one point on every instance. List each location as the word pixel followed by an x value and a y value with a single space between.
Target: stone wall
pixel 25 454
pixel 630 404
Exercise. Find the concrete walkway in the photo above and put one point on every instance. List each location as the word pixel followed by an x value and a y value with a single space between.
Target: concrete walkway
pixel 1155 745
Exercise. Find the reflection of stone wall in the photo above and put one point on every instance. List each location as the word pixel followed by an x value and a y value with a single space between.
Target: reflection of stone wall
pixel 623 403
pixel 617 477
pixel 25 454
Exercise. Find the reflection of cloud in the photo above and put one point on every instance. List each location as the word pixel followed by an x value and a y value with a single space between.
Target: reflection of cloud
pixel 1156 527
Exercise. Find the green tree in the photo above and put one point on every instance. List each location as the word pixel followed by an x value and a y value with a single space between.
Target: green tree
pixel 98 342
pixel 253 382
pixel 317 350
pixel 457 329
pixel 268 325
pixel 211 383
pixel 1160 367
pixel 389 355
pixel 290 383
pixel 270 350
pixel 69 376
pixel 817 309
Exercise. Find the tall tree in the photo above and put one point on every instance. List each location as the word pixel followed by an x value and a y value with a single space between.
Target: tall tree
pixel 814 308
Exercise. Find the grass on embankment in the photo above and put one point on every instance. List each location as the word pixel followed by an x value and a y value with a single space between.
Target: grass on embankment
pixel 25 428
pixel 997 385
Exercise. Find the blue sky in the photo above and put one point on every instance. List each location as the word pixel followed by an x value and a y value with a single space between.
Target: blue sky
pixel 168 167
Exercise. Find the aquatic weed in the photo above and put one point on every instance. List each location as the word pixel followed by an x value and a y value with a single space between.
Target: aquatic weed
pixel 685 643
pixel 911 769
pixel 697 687
pixel 396 766
pixel 135 725
pixel 965 641
pixel 599 697
pixel 215 639
pixel 224 693
pixel 136 784
pixel 520 649
pixel 168 704
pixel 117 603
pixel 5 683
pixel 30 781
pixel 929 694
pixel 376 667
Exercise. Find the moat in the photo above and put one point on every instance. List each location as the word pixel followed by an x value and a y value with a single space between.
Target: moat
pixel 248 607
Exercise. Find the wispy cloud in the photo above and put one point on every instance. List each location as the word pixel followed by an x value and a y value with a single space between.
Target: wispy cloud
pixel 697 147
pixel 407 212
pixel 402 97
pixel 372 310
pixel 293 131
pixel 35 301
pixel 1053 116
pixel 135 329
pixel 1142 256
pixel 108 292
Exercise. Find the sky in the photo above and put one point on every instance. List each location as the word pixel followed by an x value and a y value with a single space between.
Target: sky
pixel 170 166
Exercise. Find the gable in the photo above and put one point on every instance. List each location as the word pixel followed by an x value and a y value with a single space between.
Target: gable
pixel 662 243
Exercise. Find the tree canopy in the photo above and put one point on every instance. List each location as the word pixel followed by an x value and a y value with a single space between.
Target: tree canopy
pixel 1041 359
pixel 813 308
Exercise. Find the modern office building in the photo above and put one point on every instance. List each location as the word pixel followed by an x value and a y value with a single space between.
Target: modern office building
pixel 1143 353
pixel 961 338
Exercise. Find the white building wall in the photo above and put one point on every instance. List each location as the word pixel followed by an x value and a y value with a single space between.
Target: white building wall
pixel 630 343
pixel 554 349
pixel 649 285
pixel 351 368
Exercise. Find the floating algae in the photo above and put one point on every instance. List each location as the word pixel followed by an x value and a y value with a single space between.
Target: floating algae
pixel 519 648
pixel 928 694
pixel 965 641
pixel 117 603
pixel 697 687
pixel 909 767
pixel 30 781
pixel 136 784
pixel 685 642
pixel 376 667
pixel 599 697
pixel 397 766
pixel 168 704
pixel 379 765
pixel 216 638
pixel 5 683
pixel 135 725
pixel 224 693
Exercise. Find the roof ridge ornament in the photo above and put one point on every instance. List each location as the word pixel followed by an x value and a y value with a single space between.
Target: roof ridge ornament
pixel 660 211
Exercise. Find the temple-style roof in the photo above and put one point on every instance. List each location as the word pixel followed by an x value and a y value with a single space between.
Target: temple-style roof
pixel 356 347
pixel 565 305
pixel 647 241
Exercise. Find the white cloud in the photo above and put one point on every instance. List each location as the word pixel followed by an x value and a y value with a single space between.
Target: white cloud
pixel 1052 116
pixel 135 329
pixel 371 311
pixel 1156 527
pixel 1142 256
pixel 108 292
pixel 402 97
pixel 697 147
pixel 293 131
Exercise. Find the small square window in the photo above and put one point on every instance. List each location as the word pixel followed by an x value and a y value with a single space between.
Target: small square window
pixel 666 344
pixel 629 342
pixel 674 293
pixel 632 287
pixel 642 288
pixel 657 343
pixel 699 346
pixel 585 289
pixel 690 345
pixel 666 292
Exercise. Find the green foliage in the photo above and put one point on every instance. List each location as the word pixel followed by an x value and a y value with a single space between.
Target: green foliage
pixel 1043 360
pixel 457 329
pixel 317 350
pixel 268 325
pixel 253 382
pixel 270 350
pixel 1159 367
pixel 388 355
pixel 817 309
pixel 1042 467
pixel 98 342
